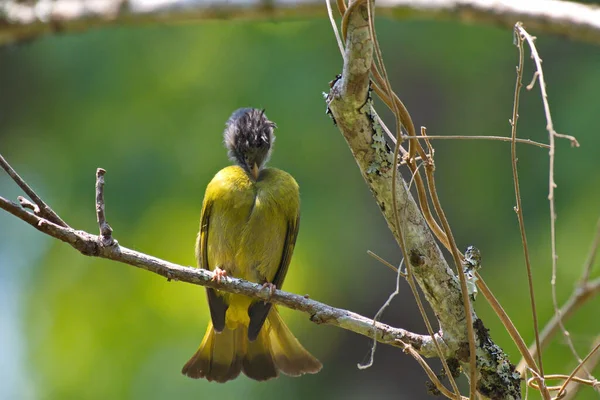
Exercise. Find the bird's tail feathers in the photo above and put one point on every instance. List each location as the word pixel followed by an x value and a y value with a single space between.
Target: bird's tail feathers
pixel 222 356
pixel 219 357
pixel 289 355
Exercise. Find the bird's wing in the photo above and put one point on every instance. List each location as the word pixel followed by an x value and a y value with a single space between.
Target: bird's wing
pixel 258 311
pixel 288 249
pixel 216 303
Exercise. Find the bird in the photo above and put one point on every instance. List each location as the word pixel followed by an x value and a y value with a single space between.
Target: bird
pixel 248 229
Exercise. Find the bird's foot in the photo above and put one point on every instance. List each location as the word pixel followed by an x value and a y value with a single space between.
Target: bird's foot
pixel 219 274
pixel 272 289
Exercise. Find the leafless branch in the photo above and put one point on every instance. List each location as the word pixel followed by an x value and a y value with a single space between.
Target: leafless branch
pixel 40 208
pixel 27 20
pixel 519 207
pixel 466 137
pixel 523 35
pixel 92 245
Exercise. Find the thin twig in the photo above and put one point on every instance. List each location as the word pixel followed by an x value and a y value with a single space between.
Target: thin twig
pixel 379 313
pixel 334 27
pixel 44 210
pixel 106 238
pixel 479 137
pixel 28 204
pixel 562 377
pixel 519 207
pixel 552 134
pixel 384 262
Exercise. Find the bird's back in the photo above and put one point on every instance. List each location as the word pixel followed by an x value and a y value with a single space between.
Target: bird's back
pixel 249 220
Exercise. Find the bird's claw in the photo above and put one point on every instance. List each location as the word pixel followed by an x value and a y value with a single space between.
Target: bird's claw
pixel 272 289
pixel 219 274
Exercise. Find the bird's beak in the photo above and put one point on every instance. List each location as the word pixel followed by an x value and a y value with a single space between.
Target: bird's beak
pixel 255 171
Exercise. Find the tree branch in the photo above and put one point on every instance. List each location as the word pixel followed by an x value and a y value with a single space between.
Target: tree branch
pixel 350 105
pixel 106 238
pixel 96 246
pixel 40 207
pixel 28 20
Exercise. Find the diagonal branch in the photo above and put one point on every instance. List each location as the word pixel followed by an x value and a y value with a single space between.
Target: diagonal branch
pixel 320 313
pixel 40 207
pixel 350 105
pixel 21 20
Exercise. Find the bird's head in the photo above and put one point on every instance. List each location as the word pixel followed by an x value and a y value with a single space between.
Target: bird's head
pixel 249 138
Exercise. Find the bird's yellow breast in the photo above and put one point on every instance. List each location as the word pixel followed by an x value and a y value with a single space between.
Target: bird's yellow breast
pixel 248 226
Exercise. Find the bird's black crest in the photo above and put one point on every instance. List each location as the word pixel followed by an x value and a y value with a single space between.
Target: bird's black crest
pixel 249 137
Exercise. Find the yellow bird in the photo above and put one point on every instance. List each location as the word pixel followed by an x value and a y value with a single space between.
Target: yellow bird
pixel 248 229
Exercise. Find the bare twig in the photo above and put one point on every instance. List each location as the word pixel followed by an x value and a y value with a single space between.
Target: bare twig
pixel 334 27
pixel 552 134
pixel 466 137
pixel 320 313
pixel 28 204
pixel 561 377
pixel 43 210
pixel 386 263
pixel 379 313
pixel 23 20
pixel 519 207
pixel 106 238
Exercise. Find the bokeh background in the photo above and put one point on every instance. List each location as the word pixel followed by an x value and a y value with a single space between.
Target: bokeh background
pixel 148 104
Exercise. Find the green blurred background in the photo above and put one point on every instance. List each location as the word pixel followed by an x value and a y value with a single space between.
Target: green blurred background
pixel 148 104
